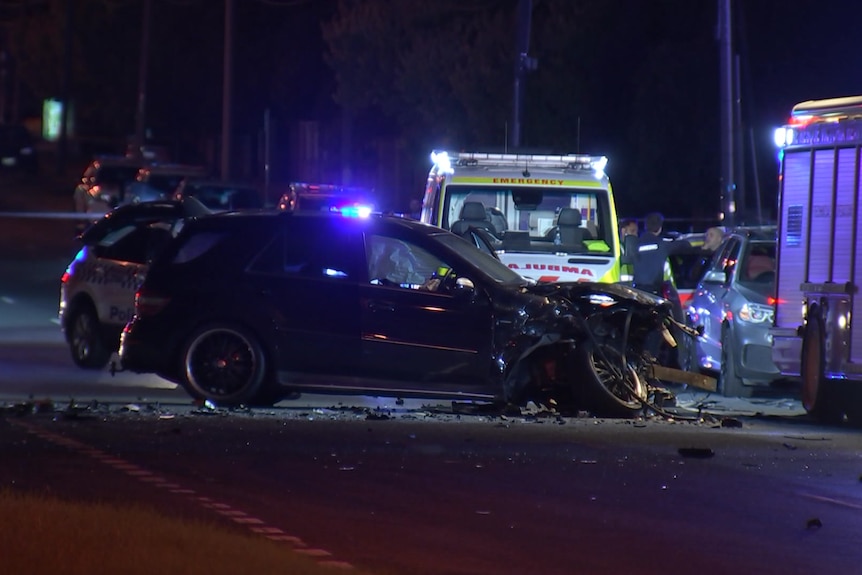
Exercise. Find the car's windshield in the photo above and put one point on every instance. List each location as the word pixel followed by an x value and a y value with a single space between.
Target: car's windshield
pixel 535 212
pixel 225 197
pixel 165 182
pixel 116 175
pixel 496 270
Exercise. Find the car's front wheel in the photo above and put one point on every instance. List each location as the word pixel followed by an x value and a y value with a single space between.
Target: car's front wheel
pixel 85 339
pixel 226 364
pixel 612 387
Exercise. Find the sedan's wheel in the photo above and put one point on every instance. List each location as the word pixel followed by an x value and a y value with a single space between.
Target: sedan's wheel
pixel 85 340
pixel 730 383
pixel 819 395
pixel 611 389
pixel 225 364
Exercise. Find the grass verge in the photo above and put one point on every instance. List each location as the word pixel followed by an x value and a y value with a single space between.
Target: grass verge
pixel 41 534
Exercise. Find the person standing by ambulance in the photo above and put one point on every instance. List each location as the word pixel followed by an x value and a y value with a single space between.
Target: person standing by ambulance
pixel 628 227
pixel 652 273
pixel 651 269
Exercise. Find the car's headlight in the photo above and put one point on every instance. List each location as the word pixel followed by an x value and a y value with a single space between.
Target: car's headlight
pixel 755 313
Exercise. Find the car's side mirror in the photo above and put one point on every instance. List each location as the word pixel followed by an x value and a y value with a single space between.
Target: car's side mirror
pixel 464 288
pixel 715 277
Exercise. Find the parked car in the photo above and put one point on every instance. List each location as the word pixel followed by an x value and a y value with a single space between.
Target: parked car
pixel 733 304
pixel 17 149
pixel 244 307
pixel 97 290
pixel 221 196
pixel 325 197
pixel 103 183
pixel 159 181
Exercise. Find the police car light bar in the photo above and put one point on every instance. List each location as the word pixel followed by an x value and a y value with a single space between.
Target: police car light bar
pixel 445 160
pixel 354 211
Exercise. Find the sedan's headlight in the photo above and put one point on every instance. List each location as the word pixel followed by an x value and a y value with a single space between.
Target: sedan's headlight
pixel 755 313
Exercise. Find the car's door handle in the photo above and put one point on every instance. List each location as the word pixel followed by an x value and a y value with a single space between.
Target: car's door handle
pixel 380 306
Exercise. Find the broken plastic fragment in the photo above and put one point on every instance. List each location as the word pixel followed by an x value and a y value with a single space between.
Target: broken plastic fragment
pixel 696 452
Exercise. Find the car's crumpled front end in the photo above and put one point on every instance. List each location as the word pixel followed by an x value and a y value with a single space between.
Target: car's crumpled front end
pixel 598 346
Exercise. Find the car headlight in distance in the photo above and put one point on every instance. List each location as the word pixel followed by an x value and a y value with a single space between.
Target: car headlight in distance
pixel 755 313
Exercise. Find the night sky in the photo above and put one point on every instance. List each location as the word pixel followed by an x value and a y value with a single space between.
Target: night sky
pixel 645 83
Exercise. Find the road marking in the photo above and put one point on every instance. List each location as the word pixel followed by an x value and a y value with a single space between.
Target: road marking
pixel 253 524
pixel 832 500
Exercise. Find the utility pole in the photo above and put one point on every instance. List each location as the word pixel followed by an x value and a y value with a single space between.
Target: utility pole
pixel 728 184
pixel 143 65
pixel 227 90
pixel 523 64
pixel 65 87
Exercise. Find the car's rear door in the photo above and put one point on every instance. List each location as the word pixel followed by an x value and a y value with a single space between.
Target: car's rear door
pixel 306 280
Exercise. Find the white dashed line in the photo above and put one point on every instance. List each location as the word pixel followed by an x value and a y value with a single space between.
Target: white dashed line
pixel 255 525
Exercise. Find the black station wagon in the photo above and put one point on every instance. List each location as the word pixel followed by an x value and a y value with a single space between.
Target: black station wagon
pixel 242 308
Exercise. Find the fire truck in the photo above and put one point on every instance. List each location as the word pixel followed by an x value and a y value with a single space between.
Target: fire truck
pixel 817 328
pixel 549 217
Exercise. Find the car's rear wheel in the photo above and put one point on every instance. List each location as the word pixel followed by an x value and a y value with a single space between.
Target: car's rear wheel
pixel 819 395
pixel 85 339
pixel 730 383
pixel 610 387
pixel 226 364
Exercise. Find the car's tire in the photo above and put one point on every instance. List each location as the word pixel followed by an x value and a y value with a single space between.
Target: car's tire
pixel 820 396
pixel 226 364
pixel 610 389
pixel 85 339
pixel 729 382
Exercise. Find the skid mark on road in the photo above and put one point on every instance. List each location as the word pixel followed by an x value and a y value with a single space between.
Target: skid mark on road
pixel 253 524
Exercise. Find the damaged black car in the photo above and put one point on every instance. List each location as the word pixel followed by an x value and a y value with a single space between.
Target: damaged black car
pixel 244 308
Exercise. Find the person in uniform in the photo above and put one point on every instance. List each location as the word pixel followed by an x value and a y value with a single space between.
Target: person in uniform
pixel 651 266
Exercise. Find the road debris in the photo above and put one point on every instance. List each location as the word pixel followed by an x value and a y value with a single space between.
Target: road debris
pixel 696 452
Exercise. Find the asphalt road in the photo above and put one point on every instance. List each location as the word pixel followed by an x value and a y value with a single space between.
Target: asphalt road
pixel 427 494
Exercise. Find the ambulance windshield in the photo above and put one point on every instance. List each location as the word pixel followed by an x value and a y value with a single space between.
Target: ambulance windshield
pixel 533 218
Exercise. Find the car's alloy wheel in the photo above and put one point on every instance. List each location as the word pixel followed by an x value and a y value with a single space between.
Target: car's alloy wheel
pixel 225 364
pixel 611 388
pixel 85 340
pixel 730 383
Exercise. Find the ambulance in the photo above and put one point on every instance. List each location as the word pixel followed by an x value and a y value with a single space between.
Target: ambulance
pixel 549 217
pixel 817 330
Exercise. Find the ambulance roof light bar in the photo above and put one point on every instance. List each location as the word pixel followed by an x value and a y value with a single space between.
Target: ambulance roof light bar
pixel 445 161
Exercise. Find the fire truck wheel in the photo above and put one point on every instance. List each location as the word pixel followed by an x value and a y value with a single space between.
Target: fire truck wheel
pixel 610 389
pixel 819 395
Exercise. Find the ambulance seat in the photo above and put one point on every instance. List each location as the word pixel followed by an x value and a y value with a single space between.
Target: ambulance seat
pixel 473 215
pixel 569 224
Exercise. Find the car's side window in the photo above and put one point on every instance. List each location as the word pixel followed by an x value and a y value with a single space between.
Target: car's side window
pixel 727 256
pixel 400 263
pixel 310 251
pixel 127 244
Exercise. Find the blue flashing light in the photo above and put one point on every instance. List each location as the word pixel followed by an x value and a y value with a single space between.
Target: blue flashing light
pixel 355 211
pixel 332 273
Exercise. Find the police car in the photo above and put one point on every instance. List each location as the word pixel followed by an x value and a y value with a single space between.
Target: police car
pixel 97 290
